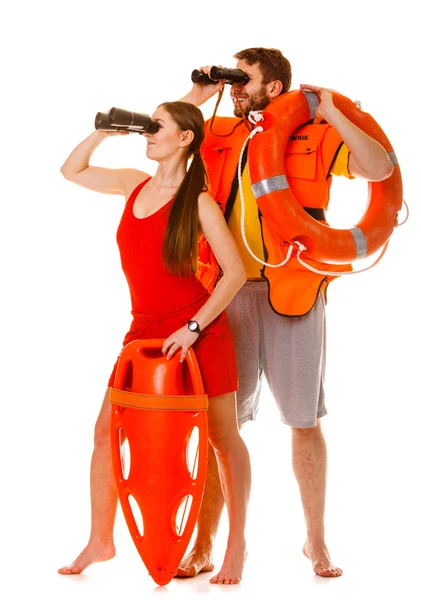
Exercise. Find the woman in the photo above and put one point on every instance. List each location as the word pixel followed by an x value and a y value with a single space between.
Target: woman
pixel 157 238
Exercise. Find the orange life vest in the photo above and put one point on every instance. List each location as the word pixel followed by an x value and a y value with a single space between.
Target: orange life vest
pixel 309 156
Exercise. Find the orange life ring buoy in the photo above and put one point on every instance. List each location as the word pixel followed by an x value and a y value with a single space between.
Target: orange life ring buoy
pixel 160 408
pixel 278 203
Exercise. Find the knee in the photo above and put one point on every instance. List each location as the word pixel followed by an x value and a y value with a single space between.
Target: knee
pixel 102 435
pixel 223 442
pixel 307 432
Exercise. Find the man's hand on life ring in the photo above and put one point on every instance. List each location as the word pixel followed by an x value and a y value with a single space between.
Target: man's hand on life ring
pixel 326 105
pixel 207 91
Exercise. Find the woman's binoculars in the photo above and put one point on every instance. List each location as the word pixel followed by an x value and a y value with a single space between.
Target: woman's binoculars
pixel 219 74
pixel 119 119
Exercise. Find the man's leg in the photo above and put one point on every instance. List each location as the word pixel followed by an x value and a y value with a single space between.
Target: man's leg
pixel 104 498
pixel 309 461
pixel 293 358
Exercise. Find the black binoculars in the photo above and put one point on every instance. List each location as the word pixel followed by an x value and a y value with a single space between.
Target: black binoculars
pixel 219 74
pixel 119 119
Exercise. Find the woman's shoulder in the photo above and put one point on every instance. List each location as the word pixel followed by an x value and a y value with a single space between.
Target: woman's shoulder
pixel 208 207
pixel 205 198
pixel 132 178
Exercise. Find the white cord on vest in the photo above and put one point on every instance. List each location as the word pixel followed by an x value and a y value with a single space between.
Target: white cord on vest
pixel 254 117
pixel 407 215
pixel 302 248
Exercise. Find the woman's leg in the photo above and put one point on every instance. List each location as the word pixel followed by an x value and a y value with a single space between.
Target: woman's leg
pixel 235 476
pixel 104 498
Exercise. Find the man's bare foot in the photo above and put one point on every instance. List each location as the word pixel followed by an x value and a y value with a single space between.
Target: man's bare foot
pixel 94 552
pixel 232 567
pixel 197 561
pixel 319 556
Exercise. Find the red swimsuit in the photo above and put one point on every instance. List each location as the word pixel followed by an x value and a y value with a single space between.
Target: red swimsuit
pixel 162 302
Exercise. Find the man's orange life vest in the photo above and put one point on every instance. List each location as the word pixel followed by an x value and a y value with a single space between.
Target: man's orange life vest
pixel 309 157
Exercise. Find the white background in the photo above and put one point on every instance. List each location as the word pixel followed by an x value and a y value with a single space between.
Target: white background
pixel 65 304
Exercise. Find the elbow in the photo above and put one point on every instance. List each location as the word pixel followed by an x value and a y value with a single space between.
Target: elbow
pixel 242 277
pixel 65 172
pixel 388 169
pixel 379 172
pixel 235 274
pixel 383 172
pixel 69 173
pixel 235 278
pixel 385 169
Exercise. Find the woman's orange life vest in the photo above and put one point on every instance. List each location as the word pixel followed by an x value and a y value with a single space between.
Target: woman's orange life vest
pixel 305 154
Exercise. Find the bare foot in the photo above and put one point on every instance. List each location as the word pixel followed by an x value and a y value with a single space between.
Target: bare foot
pixel 197 561
pixel 94 552
pixel 319 556
pixel 232 567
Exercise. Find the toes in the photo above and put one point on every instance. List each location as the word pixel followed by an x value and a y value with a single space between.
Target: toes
pixel 67 571
pixel 223 580
pixel 328 572
pixel 185 572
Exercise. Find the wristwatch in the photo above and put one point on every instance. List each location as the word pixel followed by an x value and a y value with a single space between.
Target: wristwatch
pixel 194 326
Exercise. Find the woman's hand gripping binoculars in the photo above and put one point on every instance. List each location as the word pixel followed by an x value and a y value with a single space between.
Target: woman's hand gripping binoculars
pixel 118 119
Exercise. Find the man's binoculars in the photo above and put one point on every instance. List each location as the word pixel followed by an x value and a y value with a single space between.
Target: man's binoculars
pixel 119 119
pixel 219 74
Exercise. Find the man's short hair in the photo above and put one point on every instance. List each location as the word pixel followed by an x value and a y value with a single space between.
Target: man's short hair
pixel 272 64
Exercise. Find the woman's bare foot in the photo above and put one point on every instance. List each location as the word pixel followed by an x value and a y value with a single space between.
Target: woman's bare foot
pixel 232 567
pixel 93 553
pixel 319 556
pixel 197 561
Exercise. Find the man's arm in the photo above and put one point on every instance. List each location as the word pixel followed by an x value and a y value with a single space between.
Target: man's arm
pixel 368 159
pixel 199 93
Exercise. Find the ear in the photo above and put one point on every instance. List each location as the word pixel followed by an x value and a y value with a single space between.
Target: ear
pixel 186 138
pixel 274 88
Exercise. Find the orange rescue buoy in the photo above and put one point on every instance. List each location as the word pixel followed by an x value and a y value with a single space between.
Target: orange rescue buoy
pixel 159 410
pixel 278 204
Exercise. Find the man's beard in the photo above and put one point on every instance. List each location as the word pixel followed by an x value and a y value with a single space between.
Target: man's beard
pixel 258 101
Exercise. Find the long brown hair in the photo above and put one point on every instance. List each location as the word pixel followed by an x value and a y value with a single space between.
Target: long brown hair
pixel 181 237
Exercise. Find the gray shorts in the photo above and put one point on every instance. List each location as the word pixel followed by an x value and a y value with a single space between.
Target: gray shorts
pixel 289 352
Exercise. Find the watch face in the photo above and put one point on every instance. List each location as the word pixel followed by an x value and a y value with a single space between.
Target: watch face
pixel 193 326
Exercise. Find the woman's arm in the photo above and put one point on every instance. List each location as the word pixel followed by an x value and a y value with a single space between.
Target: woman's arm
pixel 227 254
pixel 77 169
pixel 225 249
pixel 368 159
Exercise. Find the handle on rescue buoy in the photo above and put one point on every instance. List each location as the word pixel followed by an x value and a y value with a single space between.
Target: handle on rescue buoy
pixel 143 350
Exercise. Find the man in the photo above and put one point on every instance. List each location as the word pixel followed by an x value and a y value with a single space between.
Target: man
pixel 278 317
